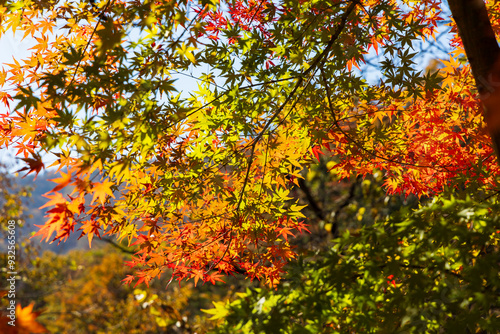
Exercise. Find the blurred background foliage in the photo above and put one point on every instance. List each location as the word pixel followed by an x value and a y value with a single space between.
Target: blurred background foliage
pixel 372 263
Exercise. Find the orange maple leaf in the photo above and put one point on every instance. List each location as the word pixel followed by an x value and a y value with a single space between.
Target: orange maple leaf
pixel 214 277
pixel 55 199
pixel 100 191
pixel 62 181
pixel 316 150
pixel 90 228
pixel 25 322
pixel 129 279
pixel 197 275
pixel 285 232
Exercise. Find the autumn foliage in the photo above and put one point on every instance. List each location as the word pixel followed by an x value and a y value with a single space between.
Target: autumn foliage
pixel 200 182
pixel 25 322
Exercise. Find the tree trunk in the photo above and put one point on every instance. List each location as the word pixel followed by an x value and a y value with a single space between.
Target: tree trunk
pixel 483 52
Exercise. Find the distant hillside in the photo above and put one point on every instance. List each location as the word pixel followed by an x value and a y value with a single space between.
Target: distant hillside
pixel 39 187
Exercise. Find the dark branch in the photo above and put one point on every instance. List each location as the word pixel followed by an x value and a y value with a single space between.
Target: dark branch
pixel 118 246
pixel 313 205
pixel 482 50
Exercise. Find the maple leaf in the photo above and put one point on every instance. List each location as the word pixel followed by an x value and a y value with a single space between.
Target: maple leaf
pixel 34 165
pixel 285 232
pixel 129 279
pixel 55 200
pixel 197 275
pixel 214 277
pixel 62 182
pixel 219 311
pixel 25 322
pixel 90 228
pixel 392 184
pixel 101 190
pixel 144 279
pixel 316 150
pixel 301 226
pixel 26 319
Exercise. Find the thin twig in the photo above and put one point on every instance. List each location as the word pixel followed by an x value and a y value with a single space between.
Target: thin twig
pixel 87 45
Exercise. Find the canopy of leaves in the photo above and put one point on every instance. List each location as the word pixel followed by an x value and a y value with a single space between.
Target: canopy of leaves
pixel 200 183
pixel 431 271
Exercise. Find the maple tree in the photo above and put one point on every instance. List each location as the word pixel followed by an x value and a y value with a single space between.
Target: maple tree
pixel 433 270
pixel 200 184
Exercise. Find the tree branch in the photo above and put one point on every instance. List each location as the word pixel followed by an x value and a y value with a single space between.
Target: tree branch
pixel 310 199
pixel 481 48
pixel 118 246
